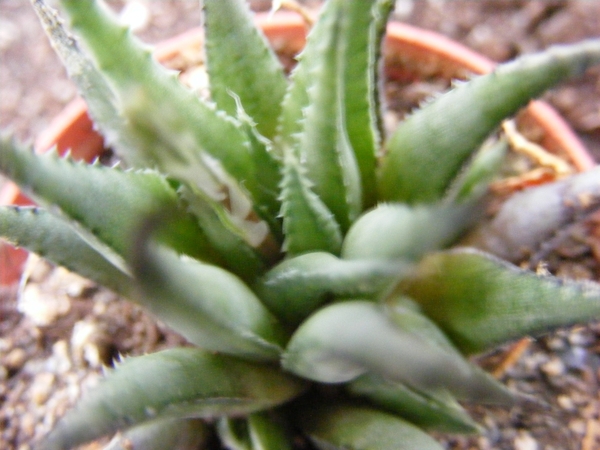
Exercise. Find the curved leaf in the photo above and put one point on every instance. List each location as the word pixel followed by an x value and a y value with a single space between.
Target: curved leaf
pixel 481 301
pixel 396 231
pixel 112 216
pixel 308 225
pixel 345 340
pixel 175 383
pixel 209 306
pixel 56 240
pixel 329 115
pixel 296 287
pixel 428 150
pixel 341 427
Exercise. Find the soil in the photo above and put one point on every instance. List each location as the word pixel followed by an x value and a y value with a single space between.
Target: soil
pixel 49 353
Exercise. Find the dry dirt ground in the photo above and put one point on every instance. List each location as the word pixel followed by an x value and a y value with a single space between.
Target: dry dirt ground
pixel 559 375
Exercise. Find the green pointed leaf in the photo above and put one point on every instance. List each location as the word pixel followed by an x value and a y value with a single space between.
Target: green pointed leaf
pixel 247 68
pixel 175 383
pixel 396 231
pixel 308 224
pixel 406 314
pixel 56 240
pixel 98 93
pixel 481 301
pixel 296 287
pixel 341 427
pixel 111 217
pixel 433 411
pixel 172 434
pixel 346 340
pixel 428 150
pixel 361 74
pixel 266 178
pixel 209 306
pixel 333 83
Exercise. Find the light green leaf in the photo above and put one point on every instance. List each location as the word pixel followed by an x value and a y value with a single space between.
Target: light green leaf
pixel 56 240
pixel 172 434
pixel 209 306
pixel 308 224
pixel 396 231
pixel 175 383
pixel 296 287
pixel 429 149
pixel 481 301
pixel 333 83
pixel 266 178
pixel 343 341
pixel 343 426
pixel 240 62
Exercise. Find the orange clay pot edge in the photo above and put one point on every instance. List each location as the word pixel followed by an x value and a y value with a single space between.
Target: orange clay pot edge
pixel 72 128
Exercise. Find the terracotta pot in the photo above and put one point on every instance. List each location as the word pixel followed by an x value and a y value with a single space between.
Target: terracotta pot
pixel 410 53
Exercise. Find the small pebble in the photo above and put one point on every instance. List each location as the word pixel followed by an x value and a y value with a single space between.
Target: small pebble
pixel 41 388
pixel 554 367
pixel 15 359
pixel 524 441
pixel 566 403
pixel 578 426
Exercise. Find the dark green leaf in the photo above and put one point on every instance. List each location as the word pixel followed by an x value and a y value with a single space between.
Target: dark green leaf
pixel 481 301
pixel 175 383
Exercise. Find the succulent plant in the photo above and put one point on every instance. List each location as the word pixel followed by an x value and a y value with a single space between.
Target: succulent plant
pixel 301 252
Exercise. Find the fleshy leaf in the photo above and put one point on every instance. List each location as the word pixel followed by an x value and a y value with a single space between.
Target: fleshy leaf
pixel 433 411
pixel 248 69
pixel 330 83
pixel 112 216
pixel 343 341
pixel 396 231
pixel 308 224
pixel 172 434
pixel 55 239
pixel 481 301
pixel 175 383
pixel 266 176
pixel 346 426
pixel 208 305
pixel 297 286
pixel 429 149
